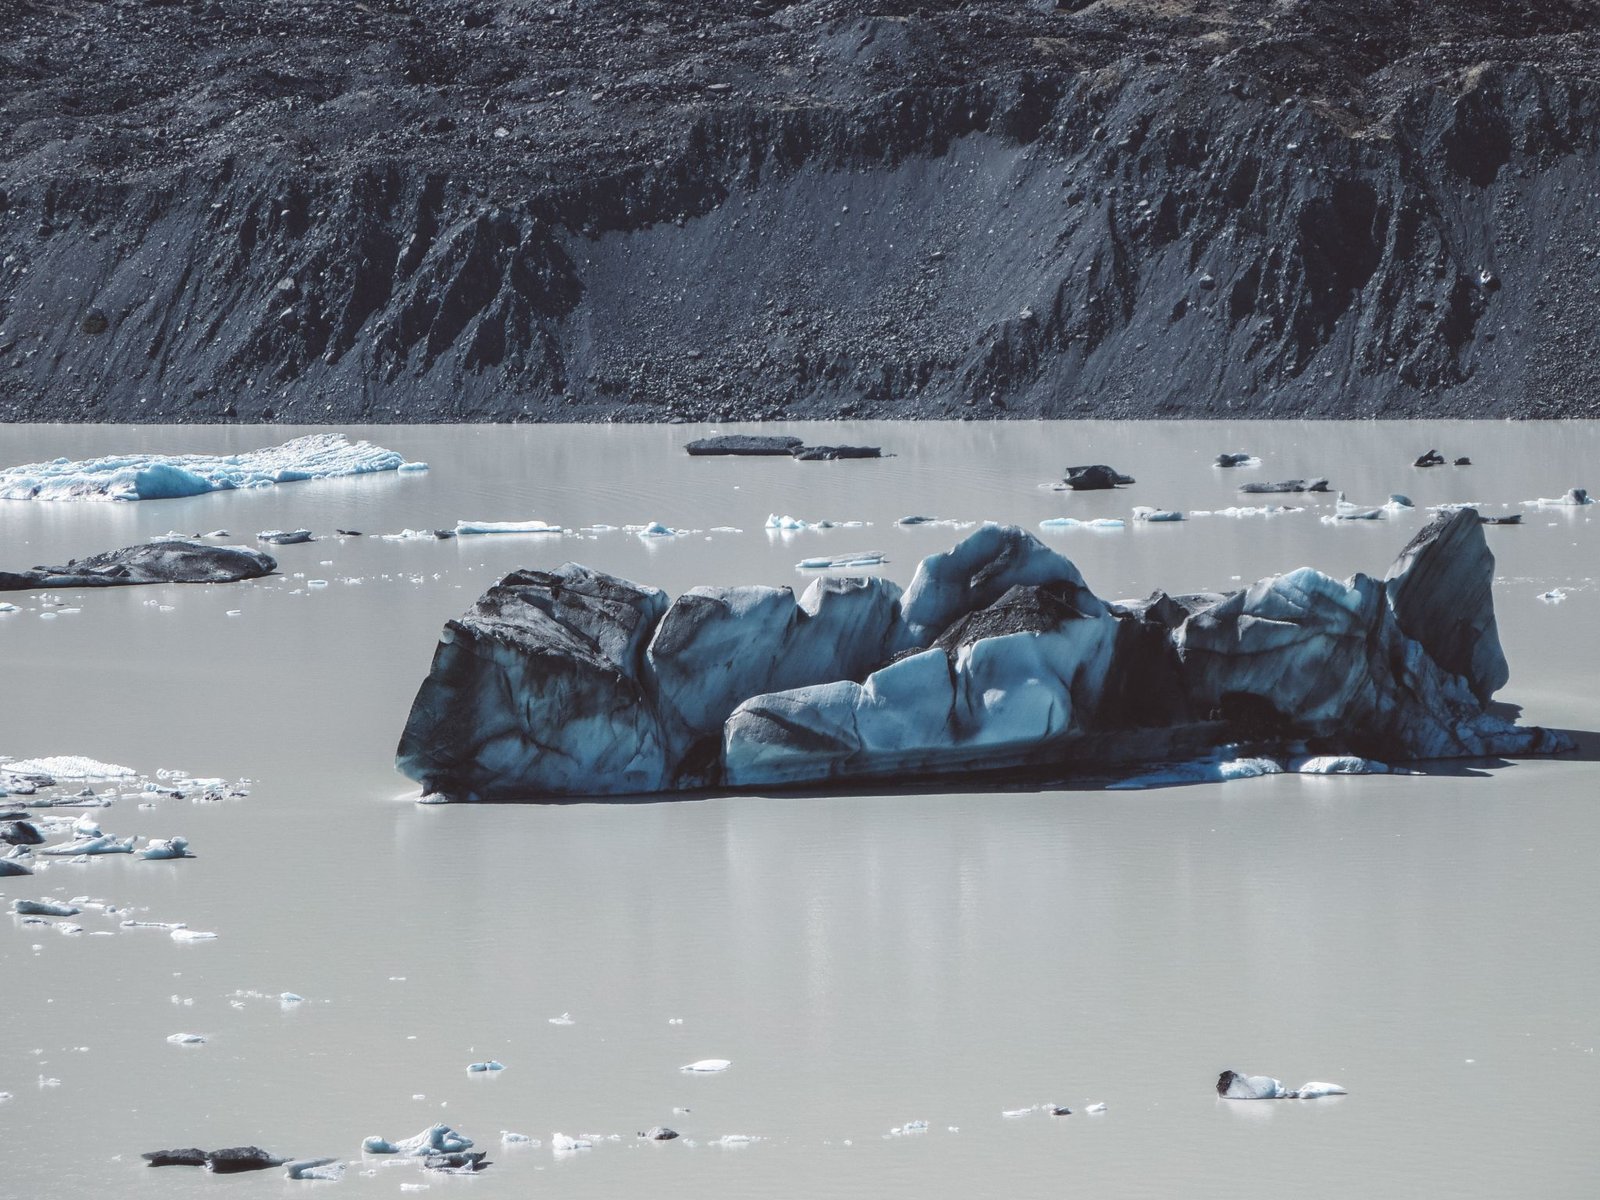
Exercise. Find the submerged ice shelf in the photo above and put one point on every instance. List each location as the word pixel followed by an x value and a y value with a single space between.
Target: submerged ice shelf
pixel 169 476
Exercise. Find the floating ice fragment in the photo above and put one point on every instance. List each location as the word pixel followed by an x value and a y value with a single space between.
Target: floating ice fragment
pixel 1096 1108
pixel 1205 770
pixel 564 1019
pixel 1145 513
pixel 464 528
pixel 1337 764
pixel 734 1139
pixel 192 935
pixel 508 1138
pixel 44 908
pixel 94 845
pixel 1018 1112
pixel 1074 523
pixel 655 529
pixel 187 1039
pixel 491 1065
pixel 562 1144
pixel 290 998
pixel 176 847
pixel 315 1168
pixel 436 1139
pixel 1575 497
pixel 1554 595
pixel 1233 1086
pixel 1316 1090
pixel 865 558
pixel 707 1065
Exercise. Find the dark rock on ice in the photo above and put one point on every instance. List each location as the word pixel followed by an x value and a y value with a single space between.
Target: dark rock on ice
pixel 658 1133
pixel 460 1162
pixel 1095 478
pixel 1463 461
pixel 1431 459
pixel 1286 485
pixel 1506 519
pixel 236 1159
pixel 152 562
pixel 347 532
pixel 829 453
pixel 21 833
pixel 1232 460
pixel 746 444
pixel 1233 1086
pixel 190 1156
pixel 997 657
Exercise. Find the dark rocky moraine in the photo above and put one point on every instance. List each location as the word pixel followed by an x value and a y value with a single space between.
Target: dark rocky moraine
pixel 504 210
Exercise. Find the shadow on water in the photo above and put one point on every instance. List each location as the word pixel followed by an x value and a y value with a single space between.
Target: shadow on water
pixel 1037 781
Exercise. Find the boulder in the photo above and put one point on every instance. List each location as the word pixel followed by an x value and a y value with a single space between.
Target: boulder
pixel 538 691
pixel 152 562
pixel 1441 589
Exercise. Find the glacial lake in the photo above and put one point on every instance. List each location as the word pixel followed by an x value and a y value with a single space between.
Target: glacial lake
pixel 1431 942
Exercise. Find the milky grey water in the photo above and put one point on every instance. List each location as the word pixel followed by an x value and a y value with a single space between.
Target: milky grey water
pixel 864 960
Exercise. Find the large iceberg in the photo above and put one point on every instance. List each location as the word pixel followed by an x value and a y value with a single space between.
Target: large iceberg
pixel 996 658
pixel 170 476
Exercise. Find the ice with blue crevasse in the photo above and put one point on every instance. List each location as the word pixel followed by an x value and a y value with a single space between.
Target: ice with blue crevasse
pixel 172 476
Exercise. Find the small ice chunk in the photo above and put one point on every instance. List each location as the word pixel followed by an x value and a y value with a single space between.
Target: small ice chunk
pixel 1337 764
pixel 290 998
pixel 1013 1113
pixel 175 847
pixel 1096 1108
pixel 491 1065
pixel 706 1066
pixel 44 908
pixel 436 1139
pixel 564 1019
pixel 862 558
pixel 734 1139
pixel 187 1039
pixel 1316 1090
pixel 1554 595
pixel 655 529
pixel 315 1168
pixel 508 1138
pixel 192 935
pixel 562 1144
pixel 1145 513
pixel 93 845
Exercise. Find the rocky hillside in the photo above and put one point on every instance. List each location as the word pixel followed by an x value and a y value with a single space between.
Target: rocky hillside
pixel 426 210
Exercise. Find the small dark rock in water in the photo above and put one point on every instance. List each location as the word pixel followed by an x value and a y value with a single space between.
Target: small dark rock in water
pixel 829 453
pixel 658 1133
pixel 444 535
pixel 1463 461
pixel 21 833
pixel 745 443
pixel 1508 519
pixel 1431 459
pixel 1286 485
pixel 155 562
pixel 348 532
pixel 281 537
pixel 1061 1110
pixel 464 1162
pixel 1095 478
pixel 916 520
pixel 1232 460
pixel 191 1156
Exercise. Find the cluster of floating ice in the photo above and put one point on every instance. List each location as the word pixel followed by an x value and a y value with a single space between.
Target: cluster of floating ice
pixel 787 524
pixel 169 476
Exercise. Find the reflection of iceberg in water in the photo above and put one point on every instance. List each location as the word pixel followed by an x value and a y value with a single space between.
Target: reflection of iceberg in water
pixel 170 476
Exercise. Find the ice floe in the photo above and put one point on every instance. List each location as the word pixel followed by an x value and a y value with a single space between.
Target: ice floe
pixel 1575 498
pixel 508 1138
pixel 168 476
pixel 187 1039
pixel 184 934
pixel 841 562
pixel 466 528
pixel 44 908
pixel 436 1139
pixel 314 1168
pixel 1074 523
pixel 1205 770
pixel 91 845
pixel 1554 595
pixel 1145 513
pixel 176 847
pixel 491 1065
pixel 562 1144
pixel 564 1019
pixel 67 766
pixel 1233 1086
pixel 707 1066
